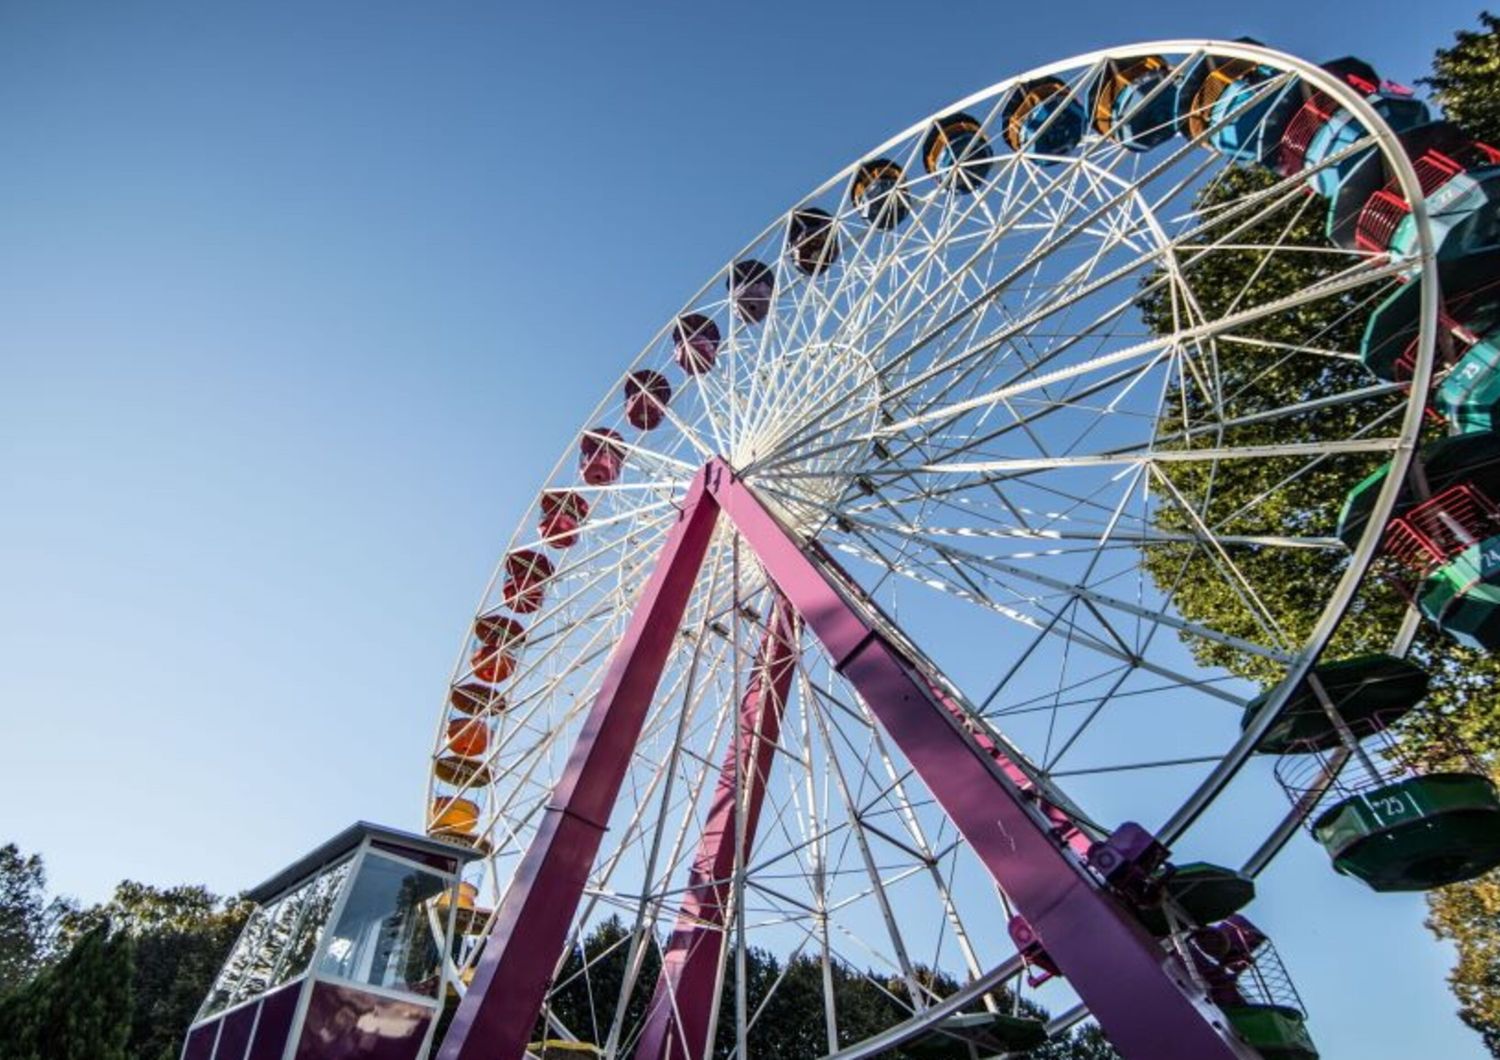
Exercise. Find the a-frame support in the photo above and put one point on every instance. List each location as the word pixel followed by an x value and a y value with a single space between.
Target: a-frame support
pixel 677 1020
pixel 1142 996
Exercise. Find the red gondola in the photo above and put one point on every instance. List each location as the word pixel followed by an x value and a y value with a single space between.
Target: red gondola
pixel 526 573
pixel 646 396
pixel 475 698
pixel 696 340
pixel 499 631
pixel 601 455
pixel 563 512
pixel 491 663
pixel 751 285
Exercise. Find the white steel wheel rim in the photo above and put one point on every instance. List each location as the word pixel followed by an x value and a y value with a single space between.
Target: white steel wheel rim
pixel 844 341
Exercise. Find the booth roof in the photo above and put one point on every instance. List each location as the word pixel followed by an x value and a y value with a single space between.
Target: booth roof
pixel 344 842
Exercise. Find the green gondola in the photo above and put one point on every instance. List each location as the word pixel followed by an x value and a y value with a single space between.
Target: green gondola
pixel 1369 692
pixel 1416 833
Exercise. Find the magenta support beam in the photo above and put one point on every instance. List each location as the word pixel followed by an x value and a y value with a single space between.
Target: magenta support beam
pixel 499 1012
pixel 1062 825
pixel 677 1021
pixel 1141 995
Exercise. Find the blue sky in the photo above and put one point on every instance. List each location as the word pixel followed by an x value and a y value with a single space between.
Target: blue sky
pixel 298 302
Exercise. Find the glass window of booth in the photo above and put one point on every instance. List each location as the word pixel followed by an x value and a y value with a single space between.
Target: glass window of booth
pixel 278 941
pixel 384 937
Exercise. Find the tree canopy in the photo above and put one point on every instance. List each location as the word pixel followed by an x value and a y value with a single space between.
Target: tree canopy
pixel 181 936
pixel 27 918
pixel 1465 79
pixel 1462 710
pixel 118 980
pixel 784 1002
pixel 75 1008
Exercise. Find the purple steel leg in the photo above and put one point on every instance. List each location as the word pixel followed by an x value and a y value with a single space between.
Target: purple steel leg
pixel 1141 995
pixel 499 1012
pixel 677 1020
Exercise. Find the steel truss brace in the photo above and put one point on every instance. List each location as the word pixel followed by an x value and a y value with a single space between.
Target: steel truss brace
pixel 1141 994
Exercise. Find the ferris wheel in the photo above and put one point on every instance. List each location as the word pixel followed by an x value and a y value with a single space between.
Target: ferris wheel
pixel 857 658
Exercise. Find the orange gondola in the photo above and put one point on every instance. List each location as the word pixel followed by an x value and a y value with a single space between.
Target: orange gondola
pixel 468 737
pixel 454 817
pixel 472 697
pixel 957 150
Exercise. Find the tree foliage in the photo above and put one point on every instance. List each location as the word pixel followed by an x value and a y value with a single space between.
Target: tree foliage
pixel 1465 79
pixel 77 1008
pixel 1461 711
pixel 181 936
pixel 1468 915
pixel 27 918
pixel 1280 496
pixel 784 1002
pixel 159 949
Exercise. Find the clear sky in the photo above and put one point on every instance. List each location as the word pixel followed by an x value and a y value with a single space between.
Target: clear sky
pixel 298 303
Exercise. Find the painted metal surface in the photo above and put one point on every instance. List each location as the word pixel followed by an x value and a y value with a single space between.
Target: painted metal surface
pixel 234 1036
pixel 1141 995
pixel 677 1020
pixel 346 1023
pixel 274 1027
pixel 200 1042
pixel 499 1010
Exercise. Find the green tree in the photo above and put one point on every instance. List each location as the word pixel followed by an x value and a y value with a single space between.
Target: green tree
pixel 77 1008
pixel 181 936
pixel 1294 584
pixel 1085 1043
pixel 786 1002
pixel 26 917
pixel 1465 79
pixel 1468 915
pixel 1263 496
pixel 585 999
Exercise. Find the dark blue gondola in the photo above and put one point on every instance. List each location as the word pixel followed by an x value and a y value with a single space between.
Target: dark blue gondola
pixel 879 195
pixel 958 153
pixel 812 240
pixel 1044 118
pixel 1133 104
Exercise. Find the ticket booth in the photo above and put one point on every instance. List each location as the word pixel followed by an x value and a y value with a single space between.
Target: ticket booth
pixel 343 957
